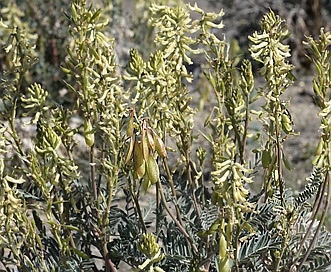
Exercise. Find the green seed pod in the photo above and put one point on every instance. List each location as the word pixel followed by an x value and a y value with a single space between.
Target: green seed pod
pixel 286 163
pixel 146 183
pixel 152 169
pixel 89 134
pixel 139 164
pixel 144 145
pixel 129 152
pixel 207 121
pixel 150 139
pixel 266 158
pixel 159 145
pixel 316 87
pixel 130 128
pixel 13 200
pixel 315 159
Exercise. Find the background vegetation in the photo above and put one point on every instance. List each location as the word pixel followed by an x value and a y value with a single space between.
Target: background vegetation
pixel 149 140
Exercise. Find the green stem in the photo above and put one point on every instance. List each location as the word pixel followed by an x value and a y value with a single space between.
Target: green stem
pixel 93 181
pixel 279 154
pixel 244 138
pixel 236 245
pixel 283 247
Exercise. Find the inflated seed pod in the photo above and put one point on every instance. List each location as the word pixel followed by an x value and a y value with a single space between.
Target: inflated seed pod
pixel 144 145
pixel 139 164
pixel 266 158
pixel 159 145
pixel 129 152
pixel 146 183
pixel 152 169
pixel 130 128
pixel 150 139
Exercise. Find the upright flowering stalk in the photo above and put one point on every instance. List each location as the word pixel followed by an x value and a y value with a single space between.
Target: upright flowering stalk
pixel 229 123
pixel 321 58
pixel 91 62
pixel 268 48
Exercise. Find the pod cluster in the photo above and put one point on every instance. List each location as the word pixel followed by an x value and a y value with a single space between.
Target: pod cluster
pixel 142 152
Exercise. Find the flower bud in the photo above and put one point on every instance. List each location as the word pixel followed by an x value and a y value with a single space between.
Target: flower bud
pixel 148 245
pixel 286 123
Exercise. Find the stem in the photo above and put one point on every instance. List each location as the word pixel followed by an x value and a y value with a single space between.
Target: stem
pixel 327 185
pixel 283 247
pixel 179 225
pixel 172 186
pixel 279 155
pixel 317 205
pixel 189 177
pixel 103 157
pixel 93 181
pixel 202 185
pixel 280 175
pixel 141 218
pixel 244 138
pixel 12 118
pixel 137 206
pixel 157 210
pixel 236 245
pixel 110 267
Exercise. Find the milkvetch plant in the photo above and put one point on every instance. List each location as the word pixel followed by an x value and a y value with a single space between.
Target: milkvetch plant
pixel 75 198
